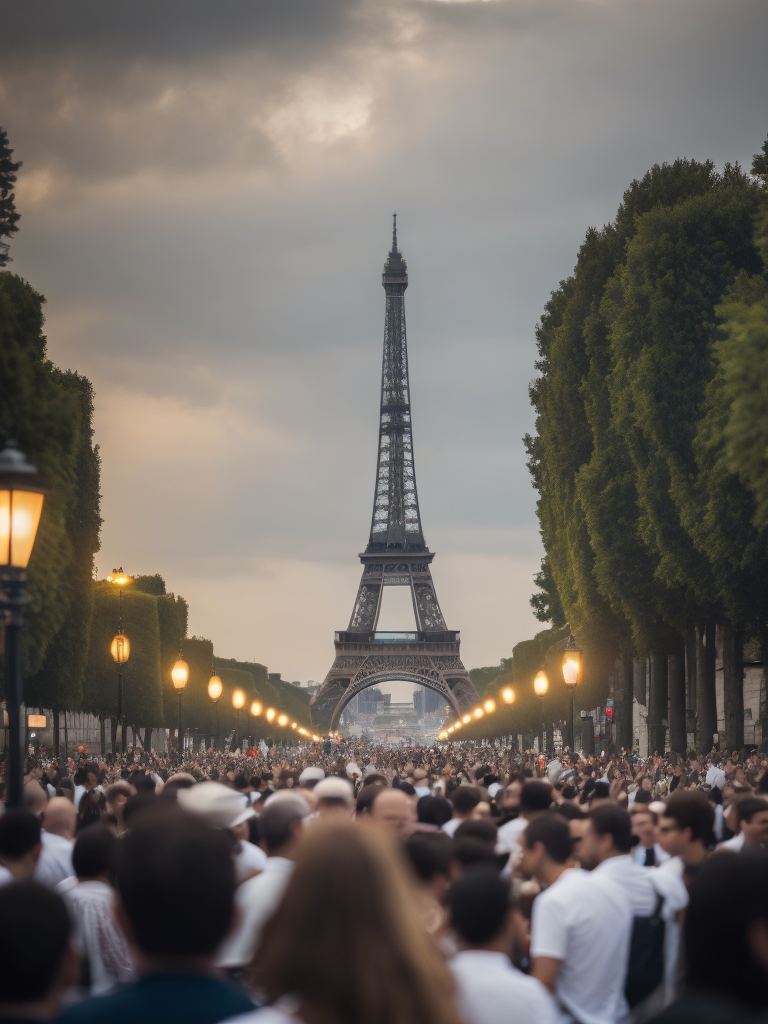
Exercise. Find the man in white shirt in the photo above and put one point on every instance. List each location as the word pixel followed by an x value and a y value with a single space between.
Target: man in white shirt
pixel 281 825
pixel 464 801
pixel 487 983
pixel 647 852
pixel 55 864
pixel 605 851
pixel 574 922
pixel 752 814
pixel 715 775
pixel 421 782
pixel 535 801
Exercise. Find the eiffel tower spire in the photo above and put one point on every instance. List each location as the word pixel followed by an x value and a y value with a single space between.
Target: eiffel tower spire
pixel 396 521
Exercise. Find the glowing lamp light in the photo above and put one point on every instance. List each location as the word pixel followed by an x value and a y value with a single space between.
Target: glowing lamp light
pixel 120 648
pixel 21 505
pixel 457 724
pixel 303 732
pixel 119 577
pixel 238 699
pixel 508 695
pixel 256 709
pixel 541 683
pixel 489 706
pixel 316 739
pixel 449 729
pixel 442 736
pixel 271 714
pixel 180 674
pixel 282 721
pixel 572 667
pixel 466 719
pixel 215 687
pixel 478 712
pixel 294 725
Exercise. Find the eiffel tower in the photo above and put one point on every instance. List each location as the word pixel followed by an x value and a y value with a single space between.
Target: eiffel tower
pixel 396 554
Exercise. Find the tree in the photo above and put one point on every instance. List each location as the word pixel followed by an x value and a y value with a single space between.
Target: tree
pixel 9 218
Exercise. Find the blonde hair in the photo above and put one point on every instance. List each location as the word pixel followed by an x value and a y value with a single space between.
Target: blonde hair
pixel 346 941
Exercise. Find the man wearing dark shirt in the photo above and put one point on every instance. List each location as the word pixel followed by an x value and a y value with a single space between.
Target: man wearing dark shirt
pixel 176 883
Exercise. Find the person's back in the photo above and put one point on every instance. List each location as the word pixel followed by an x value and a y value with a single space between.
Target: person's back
pixel 488 984
pixel 574 921
pixel 175 881
pixel 55 864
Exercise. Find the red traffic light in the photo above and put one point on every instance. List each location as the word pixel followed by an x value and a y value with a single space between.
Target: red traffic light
pixel 609 712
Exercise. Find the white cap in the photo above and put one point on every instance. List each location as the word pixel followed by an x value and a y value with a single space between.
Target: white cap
pixel 335 788
pixel 311 774
pixel 216 804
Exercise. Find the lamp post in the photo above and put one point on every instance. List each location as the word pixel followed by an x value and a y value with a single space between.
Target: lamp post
pixel 120 649
pixel 572 670
pixel 215 686
pixel 21 503
pixel 541 688
pixel 238 700
pixel 180 675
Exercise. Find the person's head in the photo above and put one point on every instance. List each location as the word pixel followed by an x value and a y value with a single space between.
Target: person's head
pixel 646 784
pixel 733 892
pixel 510 798
pixel 753 817
pixel 281 824
pixel 37 961
pixel 20 843
pixel 117 795
pixel 535 798
pixel 546 847
pixel 644 825
pixel 66 789
pixel 608 833
pixel 483 830
pixel 393 810
pixel 60 817
pixel 308 779
pixel 464 800
pixel 480 912
pixel 173 871
pixel 350 886
pixel 434 810
pixel 35 797
pixel 687 822
pixel 429 854
pixel 334 796
pixel 181 780
pixel 90 777
pixel 94 852
pixel 241 782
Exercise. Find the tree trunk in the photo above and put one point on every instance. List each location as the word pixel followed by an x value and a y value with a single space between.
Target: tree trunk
pixel 733 686
pixel 66 736
pixel 102 736
pixel 623 702
pixel 55 715
pixel 657 702
pixel 113 730
pixel 639 672
pixel 676 684
pixel 706 700
pixel 690 686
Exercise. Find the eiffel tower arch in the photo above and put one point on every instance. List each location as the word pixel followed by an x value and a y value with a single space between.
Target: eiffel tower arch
pixel 396 554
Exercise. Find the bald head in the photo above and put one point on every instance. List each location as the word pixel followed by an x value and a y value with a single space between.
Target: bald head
pixel 393 810
pixel 35 797
pixel 60 817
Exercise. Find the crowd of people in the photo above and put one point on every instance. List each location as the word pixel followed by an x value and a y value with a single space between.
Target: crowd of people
pixel 350 883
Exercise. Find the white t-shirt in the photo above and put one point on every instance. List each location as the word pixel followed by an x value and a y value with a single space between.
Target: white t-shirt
pixel 55 863
pixel 508 836
pixel 575 921
pixel 248 859
pixel 735 844
pixel 715 776
pixel 256 899
pixel 488 986
pixel 451 826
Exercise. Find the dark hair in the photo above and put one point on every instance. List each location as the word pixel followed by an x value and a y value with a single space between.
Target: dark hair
pixel 642 796
pixel 137 805
pixel 143 783
pixel 733 891
pixel 277 820
pixel 478 904
pixel 551 830
pixel 406 787
pixel 750 805
pixel 434 810
pixel 94 851
pixel 571 812
pixel 569 793
pixel 465 799
pixel 535 796
pixel 608 819
pixel 429 854
pixel 364 802
pixel 30 911
pixel 19 833
pixel 691 809
pixel 374 779
pixel 173 867
pixel 241 781
pixel 601 791
pixel 482 831
pixel 471 852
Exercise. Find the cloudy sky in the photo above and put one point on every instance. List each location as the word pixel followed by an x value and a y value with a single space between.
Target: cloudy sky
pixel 206 202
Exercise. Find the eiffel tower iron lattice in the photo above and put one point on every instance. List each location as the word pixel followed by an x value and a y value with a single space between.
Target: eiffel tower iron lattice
pixel 396 554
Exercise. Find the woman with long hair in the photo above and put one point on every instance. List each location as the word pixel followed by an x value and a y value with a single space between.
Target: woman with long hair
pixel 346 945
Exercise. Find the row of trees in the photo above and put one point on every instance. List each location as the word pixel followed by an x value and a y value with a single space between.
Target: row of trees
pixel 71 618
pixel 650 449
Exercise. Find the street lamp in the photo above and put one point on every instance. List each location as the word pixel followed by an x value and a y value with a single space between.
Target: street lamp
pixel 180 675
pixel 572 671
pixel 238 700
pixel 215 687
pixel 541 688
pixel 21 504
pixel 120 649
pixel 508 695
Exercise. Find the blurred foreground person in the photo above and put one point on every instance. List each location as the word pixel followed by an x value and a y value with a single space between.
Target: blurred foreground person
pixel 37 961
pixel 176 883
pixel 346 945
pixel 20 845
pixel 55 863
pixel 489 986
pixel 731 892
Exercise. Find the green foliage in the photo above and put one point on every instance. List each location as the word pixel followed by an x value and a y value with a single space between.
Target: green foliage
pixel 172 616
pixel 142 695
pixel 547 606
pixel 149 584
pixel 760 162
pixel 8 216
